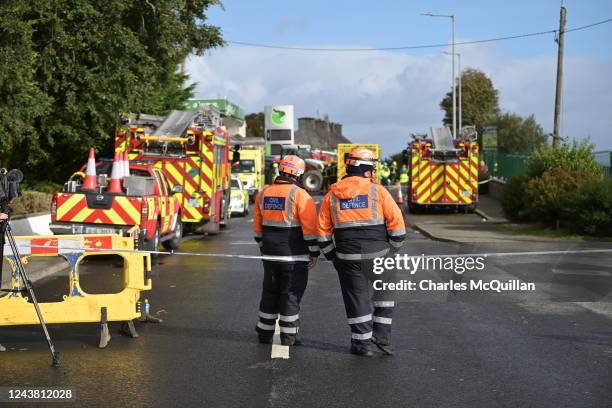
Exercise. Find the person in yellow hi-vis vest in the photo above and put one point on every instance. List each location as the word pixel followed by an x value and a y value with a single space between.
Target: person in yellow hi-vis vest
pixel 393 172
pixel 275 172
pixel 385 174
pixel 403 180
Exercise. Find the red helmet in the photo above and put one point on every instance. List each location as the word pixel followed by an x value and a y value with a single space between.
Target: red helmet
pixel 361 155
pixel 293 165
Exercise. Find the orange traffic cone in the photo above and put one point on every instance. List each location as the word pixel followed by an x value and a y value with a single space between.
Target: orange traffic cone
pixel 115 183
pixel 91 181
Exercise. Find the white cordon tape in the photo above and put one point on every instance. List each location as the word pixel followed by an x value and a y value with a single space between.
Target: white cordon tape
pixel 285 258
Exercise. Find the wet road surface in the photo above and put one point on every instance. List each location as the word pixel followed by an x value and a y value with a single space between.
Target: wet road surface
pixel 544 349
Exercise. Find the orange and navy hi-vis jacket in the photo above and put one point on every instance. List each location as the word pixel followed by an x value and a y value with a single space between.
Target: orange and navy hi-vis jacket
pixel 359 220
pixel 285 223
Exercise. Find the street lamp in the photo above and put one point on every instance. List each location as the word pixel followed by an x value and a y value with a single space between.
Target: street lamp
pixel 452 17
pixel 458 54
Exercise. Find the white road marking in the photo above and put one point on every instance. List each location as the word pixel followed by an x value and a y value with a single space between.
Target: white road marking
pixel 584 272
pixel 278 350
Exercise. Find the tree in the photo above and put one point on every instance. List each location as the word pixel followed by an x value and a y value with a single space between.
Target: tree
pixel 83 65
pixel 22 101
pixel 516 134
pixel 255 123
pixel 479 100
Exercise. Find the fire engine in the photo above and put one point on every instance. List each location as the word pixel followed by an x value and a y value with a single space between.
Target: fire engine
pixel 443 170
pixel 192 149
pixel 137 202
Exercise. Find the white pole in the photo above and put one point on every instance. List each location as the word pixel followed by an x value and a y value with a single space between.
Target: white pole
pixel 460 97
pixel 453 81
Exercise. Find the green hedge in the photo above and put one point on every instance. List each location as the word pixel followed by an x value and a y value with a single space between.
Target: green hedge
pixel 562 188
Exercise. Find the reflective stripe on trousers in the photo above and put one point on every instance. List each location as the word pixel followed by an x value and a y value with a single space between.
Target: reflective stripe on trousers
pixel 365 320
pixel 282 290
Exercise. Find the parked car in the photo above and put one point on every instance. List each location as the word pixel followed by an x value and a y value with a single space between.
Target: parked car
pixel 239 198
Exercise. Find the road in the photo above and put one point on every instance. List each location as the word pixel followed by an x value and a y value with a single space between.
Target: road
pixel 549 348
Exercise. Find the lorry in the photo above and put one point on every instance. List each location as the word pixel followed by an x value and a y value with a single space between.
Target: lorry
pixel 443 170
pixel 248 165
pixel 192 149
pixel 145 208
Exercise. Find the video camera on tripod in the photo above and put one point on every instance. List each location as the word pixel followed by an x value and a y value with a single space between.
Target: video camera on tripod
pixel 9 190
pixel 9 187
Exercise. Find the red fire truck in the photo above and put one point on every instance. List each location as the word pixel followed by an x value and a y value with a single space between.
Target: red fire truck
pixel 192 149
pixel 443 171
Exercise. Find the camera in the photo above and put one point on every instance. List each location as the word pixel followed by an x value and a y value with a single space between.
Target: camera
pixel 9 186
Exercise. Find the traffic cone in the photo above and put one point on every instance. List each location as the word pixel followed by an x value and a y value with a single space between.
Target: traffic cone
pixel 91 181
pixel 115 183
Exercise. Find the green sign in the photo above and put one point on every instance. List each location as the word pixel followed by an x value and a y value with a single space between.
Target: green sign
pixel 226 108
pixel 489 138
pixel 278 116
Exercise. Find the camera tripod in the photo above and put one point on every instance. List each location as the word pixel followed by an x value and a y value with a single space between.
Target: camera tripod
pixel 5 229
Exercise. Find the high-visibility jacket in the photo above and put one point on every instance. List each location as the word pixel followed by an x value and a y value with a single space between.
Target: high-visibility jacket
pixel 359 220
pixel 285 222
pixel 403 178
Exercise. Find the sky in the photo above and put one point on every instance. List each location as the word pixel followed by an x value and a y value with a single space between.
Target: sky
pixel 383 96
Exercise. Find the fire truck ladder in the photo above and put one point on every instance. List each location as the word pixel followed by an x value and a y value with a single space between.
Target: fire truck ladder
pixel 443 148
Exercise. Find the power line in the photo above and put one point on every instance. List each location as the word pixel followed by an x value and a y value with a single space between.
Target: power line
pixel 589 25
pixel 413 47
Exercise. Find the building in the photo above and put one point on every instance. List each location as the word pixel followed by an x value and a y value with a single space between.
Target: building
pixel 319 133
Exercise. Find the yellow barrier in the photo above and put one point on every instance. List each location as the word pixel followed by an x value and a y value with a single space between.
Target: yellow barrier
pixel 78 306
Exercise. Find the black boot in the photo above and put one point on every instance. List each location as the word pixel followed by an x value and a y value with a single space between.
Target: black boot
pixel 361 349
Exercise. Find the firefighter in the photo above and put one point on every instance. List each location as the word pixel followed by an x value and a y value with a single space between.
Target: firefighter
pixel 275 171
pixel 285 227
pixel 403 180
pixel 393 172
pixel 360 221
pixel 385 174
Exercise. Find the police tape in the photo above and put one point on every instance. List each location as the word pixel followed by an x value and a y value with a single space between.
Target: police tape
pixel 305 258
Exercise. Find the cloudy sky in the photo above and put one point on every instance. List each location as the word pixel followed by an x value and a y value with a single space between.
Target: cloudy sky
pixel 383 96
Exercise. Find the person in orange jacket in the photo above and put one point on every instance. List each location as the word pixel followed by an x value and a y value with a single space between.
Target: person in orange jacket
pixel 285 227
pixel 358 222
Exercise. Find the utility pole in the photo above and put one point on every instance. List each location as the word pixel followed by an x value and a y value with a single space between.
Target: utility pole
pixel 559 90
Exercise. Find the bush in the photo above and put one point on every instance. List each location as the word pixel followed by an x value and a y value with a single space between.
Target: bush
pixel 594 208
pixel 30 202
pixel 573 156
pixel 42 186
pixel 512 201
pixel 551 198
